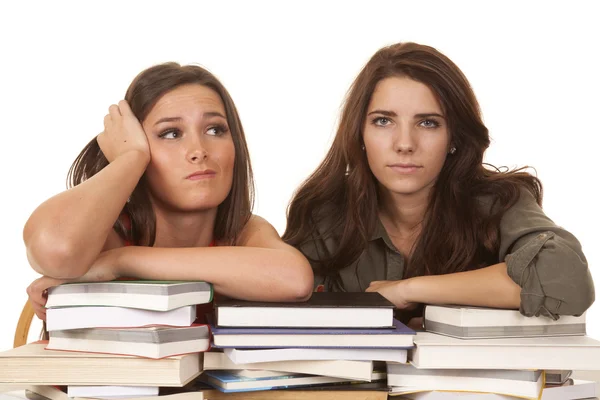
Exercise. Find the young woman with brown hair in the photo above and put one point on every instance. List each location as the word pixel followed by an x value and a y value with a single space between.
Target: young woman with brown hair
pixel 165 193
pixel 404 205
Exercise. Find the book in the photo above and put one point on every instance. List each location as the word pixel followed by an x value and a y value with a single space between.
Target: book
pixel 399 337
pixel 441 395
pixel 557 376
pixel 339 391
pixel 111 392
pixel 480 323
pixel 347 369
pixel 561 352
pixel 322 310
pixel 38 392
pixel 241 381
pixel 64 318
pixel 33 364
pixel 405 378
pixel 148 295
pixel 571 390
pixel 151 342
pixel 245 356
pixel 336 391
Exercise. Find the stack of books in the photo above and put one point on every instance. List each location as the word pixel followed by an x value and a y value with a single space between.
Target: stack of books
pixel 117 339
pixel 496 353
pixel 334 338
pixel 133 340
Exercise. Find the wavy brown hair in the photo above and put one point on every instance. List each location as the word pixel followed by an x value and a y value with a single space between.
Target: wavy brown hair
pixel 143 93
pixel 457 233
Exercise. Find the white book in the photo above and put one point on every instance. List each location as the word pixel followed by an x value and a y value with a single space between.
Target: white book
pixel 148 295
pixel 37 392
pixel 111 392
pixel 247 356
pixel 434 395
pixel 523 383
pixel 575 390
pixel 563 352
pixel 322 310
pixel 151 342
pixel 354 370
pixel 479 323
pixel 64 318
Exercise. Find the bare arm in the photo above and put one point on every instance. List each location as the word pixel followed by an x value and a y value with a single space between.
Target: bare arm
pixel 485 287
pixel 261 268
pixel 66 233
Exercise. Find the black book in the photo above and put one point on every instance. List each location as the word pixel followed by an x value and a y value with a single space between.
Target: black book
pixel 322 310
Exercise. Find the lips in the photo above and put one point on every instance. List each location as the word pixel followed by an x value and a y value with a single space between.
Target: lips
pixel 205 174
pixel 405 168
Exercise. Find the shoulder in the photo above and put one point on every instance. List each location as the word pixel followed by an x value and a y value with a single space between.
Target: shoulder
pixel 491 204
pixel 256 229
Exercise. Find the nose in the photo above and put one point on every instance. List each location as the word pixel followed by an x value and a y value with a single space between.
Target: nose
pixel 404 140
pixel 197 151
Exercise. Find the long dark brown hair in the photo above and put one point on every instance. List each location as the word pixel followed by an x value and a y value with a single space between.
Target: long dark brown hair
pixel 457 233
pixel 143 93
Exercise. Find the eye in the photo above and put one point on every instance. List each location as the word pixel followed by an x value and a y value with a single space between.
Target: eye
pixel 170 134
pixel 216 130
pixel 429 123
pixel 381 121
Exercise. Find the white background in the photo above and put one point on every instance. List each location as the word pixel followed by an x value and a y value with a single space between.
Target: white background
pixel 533 65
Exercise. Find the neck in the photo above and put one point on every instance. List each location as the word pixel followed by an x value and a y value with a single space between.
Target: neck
pixel 184 229
pixel 402 215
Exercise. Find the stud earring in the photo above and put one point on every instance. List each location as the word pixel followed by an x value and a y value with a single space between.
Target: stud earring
pixel 452 150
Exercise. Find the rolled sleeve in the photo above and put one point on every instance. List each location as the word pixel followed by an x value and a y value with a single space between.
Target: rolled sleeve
pixel 546 261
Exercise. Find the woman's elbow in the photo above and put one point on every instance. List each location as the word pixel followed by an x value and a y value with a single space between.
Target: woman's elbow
pixel 302 281
pixel 577 293
pixel 54 258
pixel 581 298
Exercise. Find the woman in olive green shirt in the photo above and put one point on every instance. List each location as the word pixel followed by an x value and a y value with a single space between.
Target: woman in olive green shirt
pixel 403 204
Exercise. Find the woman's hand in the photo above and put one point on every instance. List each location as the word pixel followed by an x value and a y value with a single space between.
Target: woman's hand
pixel 38 294
pixel 105 268
pixel 395 291
pixel 123 133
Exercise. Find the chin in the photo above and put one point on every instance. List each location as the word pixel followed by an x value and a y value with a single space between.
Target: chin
pixel 204 205
pixel 405 188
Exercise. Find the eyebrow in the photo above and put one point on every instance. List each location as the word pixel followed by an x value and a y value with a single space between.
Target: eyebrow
pixel 393 114
pixel 178 119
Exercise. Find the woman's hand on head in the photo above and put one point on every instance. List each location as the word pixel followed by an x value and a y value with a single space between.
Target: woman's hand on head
pixel 123 133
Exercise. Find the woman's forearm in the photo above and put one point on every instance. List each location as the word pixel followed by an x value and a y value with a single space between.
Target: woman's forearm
pixel 249 273
pixel 485 287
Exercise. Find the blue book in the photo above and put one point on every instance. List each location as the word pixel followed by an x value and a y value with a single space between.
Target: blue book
pixel 245 380
pixel 398 337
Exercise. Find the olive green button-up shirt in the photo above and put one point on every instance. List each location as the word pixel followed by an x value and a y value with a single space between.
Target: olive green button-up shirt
pixel 545 260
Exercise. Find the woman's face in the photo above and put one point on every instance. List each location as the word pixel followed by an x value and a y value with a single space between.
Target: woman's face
pixel 191 148
pixel 405 136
